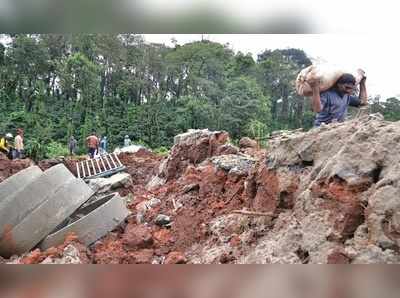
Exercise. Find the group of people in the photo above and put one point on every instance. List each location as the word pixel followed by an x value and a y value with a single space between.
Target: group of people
pixel 329 106
pixel 96 145
pixel 13 150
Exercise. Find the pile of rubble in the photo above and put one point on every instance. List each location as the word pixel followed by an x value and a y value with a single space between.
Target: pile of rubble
pixel 9 167
pixel 329 195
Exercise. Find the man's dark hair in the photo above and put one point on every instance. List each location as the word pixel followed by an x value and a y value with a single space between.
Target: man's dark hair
pixel 346 78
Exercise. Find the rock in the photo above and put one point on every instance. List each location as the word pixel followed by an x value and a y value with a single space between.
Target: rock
pixel 247 143
pixel 145 206
pixel 102 185
pixel 155 182
pixel 137 237
pixel 226 258
pixel 240 164
pixel 130 149
pixel 162 220
pixel 192 147
pixel 227 149
pixel 338 257
pixel 175 258
pixel 190 187
pixel 70 255
pixel 144 256
pixel 373 254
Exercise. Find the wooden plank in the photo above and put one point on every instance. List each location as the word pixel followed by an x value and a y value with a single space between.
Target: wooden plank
pixel 93 167
pixel 98 165
pixel 108 163
pixel 77 170
pixel 115 165
pixel 117 158
pixel 104 166
pixel 83 169
pixel 87 164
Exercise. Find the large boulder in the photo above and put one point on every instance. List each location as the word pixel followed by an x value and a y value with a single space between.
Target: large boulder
pixel 192 147
pixel 333 180
pixel 102 185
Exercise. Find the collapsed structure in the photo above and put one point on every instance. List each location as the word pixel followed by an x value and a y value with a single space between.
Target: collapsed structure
pixel 329 195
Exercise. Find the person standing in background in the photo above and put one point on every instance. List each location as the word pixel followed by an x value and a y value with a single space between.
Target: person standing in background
pixel 19 143
pixel 127 141
pixel 92 143
pixel 103 145
pixel 72 145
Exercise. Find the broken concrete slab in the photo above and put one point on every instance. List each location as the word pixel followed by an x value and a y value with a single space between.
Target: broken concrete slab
pixel 102 185
pixel 23 201
pixel 18 181
pixel 92 222
pixel 45 218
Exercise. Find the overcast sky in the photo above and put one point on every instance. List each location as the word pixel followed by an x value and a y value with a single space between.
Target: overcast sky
pixel 378 55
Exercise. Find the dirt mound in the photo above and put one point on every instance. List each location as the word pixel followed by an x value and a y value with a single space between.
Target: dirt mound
pixel 190 148
pixel 11 167
pixel 70 252
pixel 329 195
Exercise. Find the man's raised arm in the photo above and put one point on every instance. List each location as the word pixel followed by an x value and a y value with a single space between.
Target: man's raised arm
pixel 363 96
pixel 315 99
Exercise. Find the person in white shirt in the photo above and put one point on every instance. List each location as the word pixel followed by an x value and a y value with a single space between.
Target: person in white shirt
pixel 19 143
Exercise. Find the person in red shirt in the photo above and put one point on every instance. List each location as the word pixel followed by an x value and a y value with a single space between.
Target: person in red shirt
pixel 92 143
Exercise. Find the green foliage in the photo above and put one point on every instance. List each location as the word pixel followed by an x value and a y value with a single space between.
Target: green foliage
pixel 243 102
pixel 55 86
pixel 162 151
pixel 392 109
pixel 35 149
pixel 257 130
pixel 55 149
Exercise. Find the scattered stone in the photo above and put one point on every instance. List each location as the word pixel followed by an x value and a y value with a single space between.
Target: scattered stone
pixel 227 149
pixel 144 256
pixel 373 254
pixel 240 164
pixel 70 255
pixel 226 258
pixel 338 257
pixel 143 207
pixel 162 220
pixel 137 237
pixel 130 149
pixel 102 185
pixel 175 258
pixel 155 182
pixel 247 143
pixel 190 187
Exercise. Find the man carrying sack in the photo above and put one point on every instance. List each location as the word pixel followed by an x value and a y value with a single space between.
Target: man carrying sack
pixel 331 105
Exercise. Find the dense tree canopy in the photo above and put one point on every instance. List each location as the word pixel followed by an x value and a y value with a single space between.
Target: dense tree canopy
pixel 55 86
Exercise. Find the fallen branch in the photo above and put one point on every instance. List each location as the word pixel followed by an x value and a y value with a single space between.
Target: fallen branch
pixel 245 212
pixel 174 204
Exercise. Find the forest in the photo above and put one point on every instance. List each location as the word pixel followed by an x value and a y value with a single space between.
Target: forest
pixel 58 85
